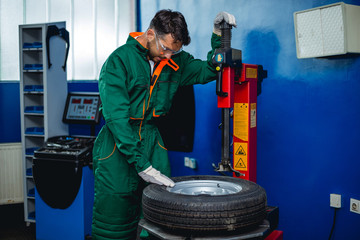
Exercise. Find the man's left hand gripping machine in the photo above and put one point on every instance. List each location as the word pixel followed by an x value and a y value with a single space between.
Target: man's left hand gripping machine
pixel 237 87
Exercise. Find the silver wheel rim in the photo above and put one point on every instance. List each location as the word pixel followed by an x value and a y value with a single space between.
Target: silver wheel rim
pixel 205 187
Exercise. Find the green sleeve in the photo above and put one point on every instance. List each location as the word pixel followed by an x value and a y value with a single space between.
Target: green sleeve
pixel 197 71
pixel 115 109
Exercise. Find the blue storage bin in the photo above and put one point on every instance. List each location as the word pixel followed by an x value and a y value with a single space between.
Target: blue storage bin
pixel 31 192
pixel 35 130
pixel 28 67
pixel 34 109
pixel 32 45
pixel 36 66
pixel 37 44
pixel 29 109
pixel 39 88
pixel 27 45
pixel 30 151
pixel 29 88
pixel 34 88
pixel 29 172
pixel 31 215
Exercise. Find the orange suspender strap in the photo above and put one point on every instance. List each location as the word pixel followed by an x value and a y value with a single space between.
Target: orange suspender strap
pixel 154 79
pixel 156 75
pixel 173 65
pixel 157 72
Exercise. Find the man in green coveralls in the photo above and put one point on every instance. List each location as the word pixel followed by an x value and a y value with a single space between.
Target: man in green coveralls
pixel 137 84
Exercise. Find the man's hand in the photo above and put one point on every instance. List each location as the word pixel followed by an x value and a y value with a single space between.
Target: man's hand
pixel 154 176
pixel 223 16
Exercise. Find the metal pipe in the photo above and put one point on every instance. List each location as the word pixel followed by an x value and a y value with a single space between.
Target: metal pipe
pixel 225 43
pixel 226 136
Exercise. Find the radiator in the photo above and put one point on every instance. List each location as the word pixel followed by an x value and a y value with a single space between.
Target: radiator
pixel 11 173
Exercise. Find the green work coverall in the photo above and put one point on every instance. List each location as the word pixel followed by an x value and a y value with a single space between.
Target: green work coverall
pixel 129 142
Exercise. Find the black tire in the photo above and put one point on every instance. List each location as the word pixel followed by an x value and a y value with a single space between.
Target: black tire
pixel 200 213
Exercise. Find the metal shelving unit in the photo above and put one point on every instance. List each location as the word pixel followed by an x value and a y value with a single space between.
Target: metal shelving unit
pixel 43 94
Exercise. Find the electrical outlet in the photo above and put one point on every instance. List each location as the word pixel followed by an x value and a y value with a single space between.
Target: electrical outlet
pixel 354 206
pixel 186 161
pixel 192 163
pixel 335 200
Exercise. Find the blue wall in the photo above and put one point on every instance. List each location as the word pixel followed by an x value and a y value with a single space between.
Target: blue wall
pixel 10 112
pixel 308 114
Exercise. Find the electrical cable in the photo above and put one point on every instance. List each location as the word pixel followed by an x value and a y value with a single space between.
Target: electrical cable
pixel 333 226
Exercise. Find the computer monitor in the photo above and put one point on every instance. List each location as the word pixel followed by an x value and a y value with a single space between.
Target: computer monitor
pixel 82 108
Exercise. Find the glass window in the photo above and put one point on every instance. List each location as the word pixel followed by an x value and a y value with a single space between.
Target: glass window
pixel 96 27
pixel 11 15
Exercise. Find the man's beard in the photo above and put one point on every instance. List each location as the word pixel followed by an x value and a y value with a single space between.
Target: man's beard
pixel 151 56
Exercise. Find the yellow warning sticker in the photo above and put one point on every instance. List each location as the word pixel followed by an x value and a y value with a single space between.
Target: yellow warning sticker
pixel 241 121
pixel 251 72
pixel 240 156
pixel 252 115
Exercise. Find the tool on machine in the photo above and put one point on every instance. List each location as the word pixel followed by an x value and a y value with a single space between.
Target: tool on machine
pixel 226 60
pixel 237 86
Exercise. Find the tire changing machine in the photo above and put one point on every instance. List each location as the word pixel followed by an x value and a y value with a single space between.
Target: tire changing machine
pixel 64 181
pixel 237 87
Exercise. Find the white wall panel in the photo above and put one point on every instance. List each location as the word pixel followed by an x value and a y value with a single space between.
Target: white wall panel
pixel 35 11
pixel 83 39
pixel 114 21
pixel 105 31
pixel 11 15
pixel 60 11
pixel 126 19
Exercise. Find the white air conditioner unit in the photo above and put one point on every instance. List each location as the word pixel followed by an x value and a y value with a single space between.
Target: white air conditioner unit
pixel 327 30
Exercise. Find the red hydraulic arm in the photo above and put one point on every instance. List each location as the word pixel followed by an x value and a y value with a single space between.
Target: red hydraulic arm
pixel 237 87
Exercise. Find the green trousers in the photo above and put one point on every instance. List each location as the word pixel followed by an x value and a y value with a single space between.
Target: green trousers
pixel 118 188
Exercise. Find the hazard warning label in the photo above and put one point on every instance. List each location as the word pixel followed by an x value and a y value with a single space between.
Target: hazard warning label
pixel 241 121
pixel 240 165
pixel 240 156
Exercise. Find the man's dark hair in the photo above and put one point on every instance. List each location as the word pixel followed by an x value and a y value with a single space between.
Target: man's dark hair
pixel 173 22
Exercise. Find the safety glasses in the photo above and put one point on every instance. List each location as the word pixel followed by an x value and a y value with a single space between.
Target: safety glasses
pixel 165 49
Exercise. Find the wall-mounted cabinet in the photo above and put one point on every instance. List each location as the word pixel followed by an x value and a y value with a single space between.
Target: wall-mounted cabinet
pixel 327 30
pixel 43 92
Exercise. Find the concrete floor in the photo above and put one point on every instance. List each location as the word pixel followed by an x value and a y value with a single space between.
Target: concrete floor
pixel 12 225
